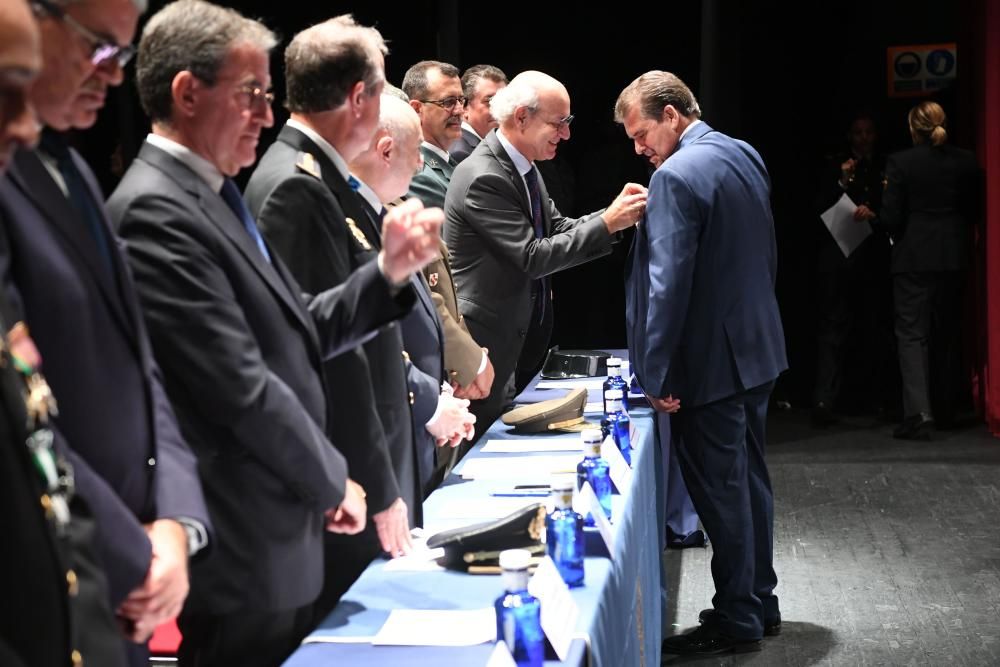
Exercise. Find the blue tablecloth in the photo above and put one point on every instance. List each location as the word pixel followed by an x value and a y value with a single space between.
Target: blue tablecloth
pixel 621 604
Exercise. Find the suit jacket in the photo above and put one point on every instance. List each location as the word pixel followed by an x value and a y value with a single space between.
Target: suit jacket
pixel 702 318
pixel 463 146
pixel 242 349
pixel 304 217
pixel 931 200
pixel 496 257
pixel 132 465
pixel 430 184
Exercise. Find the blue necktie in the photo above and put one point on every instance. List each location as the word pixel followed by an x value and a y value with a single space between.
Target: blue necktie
pixel 354 183
pixel 231 194
pixel 79 197
pixel 538 222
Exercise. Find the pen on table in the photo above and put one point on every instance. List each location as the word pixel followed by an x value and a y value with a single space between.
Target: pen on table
pixel 519 494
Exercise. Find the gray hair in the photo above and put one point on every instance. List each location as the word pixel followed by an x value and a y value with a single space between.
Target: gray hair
pixel 397 117
pixel 193 36
pixel 472 76
pixel 415 80
pixel 519 93
pixel 654 90
pixel 324 62
pixel 393 91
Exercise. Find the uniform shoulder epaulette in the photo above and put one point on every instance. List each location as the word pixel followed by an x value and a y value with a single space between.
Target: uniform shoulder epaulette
pixel 308 163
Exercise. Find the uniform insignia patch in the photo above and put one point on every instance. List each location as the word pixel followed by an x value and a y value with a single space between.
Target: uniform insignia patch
pixel 359 235
pixel 308 163
pixel 432 279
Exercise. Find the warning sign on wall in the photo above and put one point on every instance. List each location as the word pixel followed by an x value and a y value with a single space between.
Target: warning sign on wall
pixel 919 70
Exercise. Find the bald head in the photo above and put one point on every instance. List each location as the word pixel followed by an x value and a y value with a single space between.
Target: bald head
pixel 394 154
pixel 20 62
pixel 534 114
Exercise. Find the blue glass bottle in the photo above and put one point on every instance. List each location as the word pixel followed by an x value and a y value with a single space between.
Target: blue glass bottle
pixel 564 533
pixel 594 469
pixel 616 423
pixel 519 621
pixel 615 381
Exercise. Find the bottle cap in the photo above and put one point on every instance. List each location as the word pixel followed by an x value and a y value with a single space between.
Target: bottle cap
pixel 613 361
pixel 515 559
pixel 591 435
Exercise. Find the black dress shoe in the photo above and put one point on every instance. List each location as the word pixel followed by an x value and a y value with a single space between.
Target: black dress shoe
pixel 771 628
pixel 706 640
pixel 822 416
pixel 697 539
pixel 915 427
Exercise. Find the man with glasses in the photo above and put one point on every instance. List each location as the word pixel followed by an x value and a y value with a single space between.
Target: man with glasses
pixel 69 278
pixel 506 237
pixel 240 344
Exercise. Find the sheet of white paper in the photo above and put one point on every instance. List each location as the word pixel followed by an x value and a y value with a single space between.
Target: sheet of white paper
pixel 438 627
pixel 559 610
pixel 501 657
pixel 601 521
pixel 621 472
pixel 846 231
pixel 483 509
pixel 421 559
pixel 524 445
pixel 572 383
pixel 520 468
pixel 336 639
pixel 596 406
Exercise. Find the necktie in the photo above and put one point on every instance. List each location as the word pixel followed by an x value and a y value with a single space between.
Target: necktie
pixel 354 183
pixel 55 145
pixel 538 222
pixel 231 195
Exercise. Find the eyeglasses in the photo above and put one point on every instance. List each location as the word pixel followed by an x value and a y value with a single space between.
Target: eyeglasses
pixel 102 49
pixel 251 95
pixel 562 122
pixel 449 102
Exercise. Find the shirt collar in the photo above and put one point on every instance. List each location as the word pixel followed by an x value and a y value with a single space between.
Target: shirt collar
pixel 522 163
pixel 466 126
pixel 324 146
pixel 443 154
pixel 205 170
pixel 368 195
pixel 688 129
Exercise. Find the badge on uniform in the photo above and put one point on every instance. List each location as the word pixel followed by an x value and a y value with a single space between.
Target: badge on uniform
pixel 432 279
pixel 359 235
pixel 308 163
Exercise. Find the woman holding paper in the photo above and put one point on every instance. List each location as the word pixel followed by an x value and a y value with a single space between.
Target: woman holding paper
pixel 930 202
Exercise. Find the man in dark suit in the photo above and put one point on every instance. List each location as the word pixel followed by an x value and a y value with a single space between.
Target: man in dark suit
pixel 704 331
pixel 240 345
pixel 931 202
pixel 56 607
pixel 506 237
pixel 384 172
pixel 301 194
pixel 479 84
pixel 69 278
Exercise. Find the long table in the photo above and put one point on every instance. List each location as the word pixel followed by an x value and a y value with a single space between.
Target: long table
pixel 621 604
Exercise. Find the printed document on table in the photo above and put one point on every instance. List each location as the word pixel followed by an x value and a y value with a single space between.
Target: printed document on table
pixel 525 445
pixel 846 231
pixel 438 627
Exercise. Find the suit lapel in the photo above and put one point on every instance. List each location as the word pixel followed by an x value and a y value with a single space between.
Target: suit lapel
pixel 35 182
pixel 219 214
pixel 516 179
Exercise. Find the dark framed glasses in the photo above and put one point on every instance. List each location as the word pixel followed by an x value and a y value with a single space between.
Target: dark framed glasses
pixel 102 49
pixel 562 122
pixel 448 103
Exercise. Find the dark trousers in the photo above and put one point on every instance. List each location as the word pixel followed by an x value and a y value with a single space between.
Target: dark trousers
pixel 721 452
pixel 244 638
pixel 928 317
pixel 345 558
pixel 536 345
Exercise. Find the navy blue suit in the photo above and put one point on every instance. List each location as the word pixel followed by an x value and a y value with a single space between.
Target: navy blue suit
pixel 703 326
pixel 132 465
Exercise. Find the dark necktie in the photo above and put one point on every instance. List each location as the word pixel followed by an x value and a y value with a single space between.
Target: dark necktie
pixel 231 195
pixel 538 222
pixel 79 196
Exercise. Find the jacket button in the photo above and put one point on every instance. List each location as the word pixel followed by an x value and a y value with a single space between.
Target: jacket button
pixel 411 398
pixel 406 355
pixel 151 461
pixel 72 585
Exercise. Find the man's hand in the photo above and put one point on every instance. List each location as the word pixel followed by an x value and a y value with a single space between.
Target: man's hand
pixel 393 528
pixel 863 213
pixel 847 171
pixel 481 386
pixel 626 209
pixel 411 238
pixel 454 421
pixel 349 518
pixel 668 404
pixel 162 594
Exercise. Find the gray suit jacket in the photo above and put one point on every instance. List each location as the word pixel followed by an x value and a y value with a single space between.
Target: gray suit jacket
pixel 463 146
pixel 496 257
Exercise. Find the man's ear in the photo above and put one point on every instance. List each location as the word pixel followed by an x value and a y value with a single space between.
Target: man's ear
pixel 184 93
pixel 521 116
pixel 356 98
pixel 384 147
